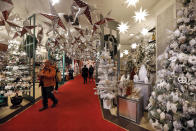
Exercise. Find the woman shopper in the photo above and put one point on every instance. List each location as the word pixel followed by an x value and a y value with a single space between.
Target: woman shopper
pixel 85 73
pixel 47 81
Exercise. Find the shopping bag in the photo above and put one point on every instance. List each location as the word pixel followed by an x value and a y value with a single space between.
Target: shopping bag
pixel 58 76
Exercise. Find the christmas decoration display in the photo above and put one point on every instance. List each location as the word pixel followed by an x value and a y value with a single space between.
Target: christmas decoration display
pixel 145 54
pixel 143 74
pixel 26 29
pixel 105 20
pixel 81 8
pixel 55 18
pixel 5 5
pixel 15 77
pixel 172 105
pixel 107 86
pixel 3 60
pixel 6 21
pixel 40 35
pixel 124 83
pixel 150 57
pixel 28 45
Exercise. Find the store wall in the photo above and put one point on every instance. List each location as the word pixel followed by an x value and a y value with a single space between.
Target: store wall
pixel 166 20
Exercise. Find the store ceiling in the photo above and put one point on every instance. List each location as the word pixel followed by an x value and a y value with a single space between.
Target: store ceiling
pixel 118 7
pixel 120 12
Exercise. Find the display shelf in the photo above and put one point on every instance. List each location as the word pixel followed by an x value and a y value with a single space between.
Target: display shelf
pixel 153 41
pixel 152 30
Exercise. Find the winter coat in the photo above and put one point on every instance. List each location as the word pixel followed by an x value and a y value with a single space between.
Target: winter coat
pixel 85 72
pixel 48 77
pixel 91 70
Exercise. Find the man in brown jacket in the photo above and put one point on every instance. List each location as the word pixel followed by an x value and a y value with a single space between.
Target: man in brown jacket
pixel 47 78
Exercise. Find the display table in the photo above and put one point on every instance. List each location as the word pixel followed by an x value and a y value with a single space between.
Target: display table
pixel 130 108
pixel 145 91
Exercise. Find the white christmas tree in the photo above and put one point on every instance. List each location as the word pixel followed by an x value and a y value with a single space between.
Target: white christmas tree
pixel 172 104
pixel 107 86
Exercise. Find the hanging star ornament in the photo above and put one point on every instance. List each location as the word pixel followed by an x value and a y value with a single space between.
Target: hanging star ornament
pixel 6 5
pixel 83 9
pixel 54 17
pixel 25 29
pixel 140 15
pixel 106 19
pixel 123 27
pixel 51 28
pixel 131 2
pixel 80 31
pixel 40 35
pixel 4 21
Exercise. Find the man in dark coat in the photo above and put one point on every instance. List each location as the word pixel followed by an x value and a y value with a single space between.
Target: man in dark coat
pixel 85 73
pixel 91 70
pixel 71 73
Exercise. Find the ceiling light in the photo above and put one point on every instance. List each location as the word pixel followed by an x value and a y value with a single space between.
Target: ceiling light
pixel 126 52
pixel 140 15
pixel 131 35
pixel 133 46
pixel 119 46
pixel 121 54
pixel 54 2
pixel 131 2
pixel 123 27
pixel 144 31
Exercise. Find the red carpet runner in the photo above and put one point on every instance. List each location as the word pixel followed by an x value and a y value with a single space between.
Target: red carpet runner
pixel 78 110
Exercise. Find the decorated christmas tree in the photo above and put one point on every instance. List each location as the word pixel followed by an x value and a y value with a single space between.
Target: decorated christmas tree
pixel 107 86
pixel 172 104
pixel 150 54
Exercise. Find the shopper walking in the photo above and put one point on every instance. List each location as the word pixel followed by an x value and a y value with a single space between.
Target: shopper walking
pixel 57 82
pixel 91 70
pixel 47 80
pixel 71 77
pixel 85 73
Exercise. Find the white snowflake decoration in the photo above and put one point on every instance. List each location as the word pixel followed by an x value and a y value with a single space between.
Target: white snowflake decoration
pixel 140 15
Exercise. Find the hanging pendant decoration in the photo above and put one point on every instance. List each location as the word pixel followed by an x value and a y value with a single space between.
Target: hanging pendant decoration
pixel 83 9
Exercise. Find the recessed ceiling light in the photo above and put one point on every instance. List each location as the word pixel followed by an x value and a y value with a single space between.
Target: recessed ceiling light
pixel 140 15
pixel 54 2
pixel 144 31
pixel 131 2
pixel 131 35
pixel 126 52
pixel 123 27
pixel 121 54
pixel 133 46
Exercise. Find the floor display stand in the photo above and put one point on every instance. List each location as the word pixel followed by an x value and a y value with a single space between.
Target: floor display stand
pixel 130 108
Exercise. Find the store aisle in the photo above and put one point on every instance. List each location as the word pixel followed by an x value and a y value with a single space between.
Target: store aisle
pixel 78 110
